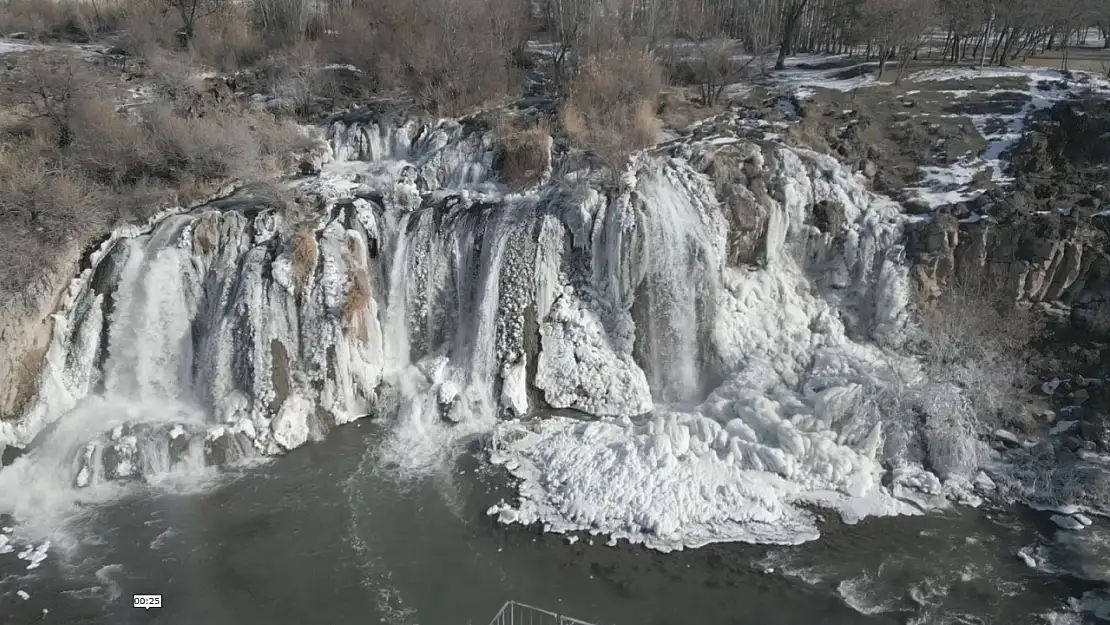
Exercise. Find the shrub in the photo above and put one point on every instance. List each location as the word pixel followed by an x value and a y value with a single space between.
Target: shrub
pixel 42 207
pixel 451 55
pixel 72 165
pixel 610 107
pixel 357 299
pixel 228 40
pixel 67 20
pixel 298 81
pixel 523 153
pixel 975 338
pixel 49 201
pixel 305 252
pixel 282 21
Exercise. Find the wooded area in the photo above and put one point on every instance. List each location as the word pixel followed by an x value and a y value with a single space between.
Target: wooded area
pixel 957 31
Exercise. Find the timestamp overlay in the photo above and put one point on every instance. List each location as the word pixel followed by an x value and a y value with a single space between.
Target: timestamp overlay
pixel 147 602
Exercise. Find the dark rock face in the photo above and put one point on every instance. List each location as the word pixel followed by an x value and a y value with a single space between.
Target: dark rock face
pixel 9 454
pixel 829 217
pixel 1096 429
pixel 737 172
pixel 1040 241
pixel 227 448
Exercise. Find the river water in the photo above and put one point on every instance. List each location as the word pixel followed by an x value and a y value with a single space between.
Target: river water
pixel 326 534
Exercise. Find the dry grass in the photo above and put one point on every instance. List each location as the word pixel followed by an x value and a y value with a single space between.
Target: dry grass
pixel 523 153
pixel 353 312
pixel 305 253
pixel 610 109
pixel 678 110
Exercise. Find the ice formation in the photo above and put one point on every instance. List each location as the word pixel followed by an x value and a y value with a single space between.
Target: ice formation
pixel 728 317
pixel 793 420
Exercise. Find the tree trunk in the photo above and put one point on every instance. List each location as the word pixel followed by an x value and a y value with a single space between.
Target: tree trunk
pixel 983 50
pixel 882 62
pixel 1004 60
pixel 789 28
pixel 997 45
pixel 947 42
pixel 902 67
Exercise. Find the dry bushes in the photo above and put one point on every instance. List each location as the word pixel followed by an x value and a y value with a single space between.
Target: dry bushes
pixel 48 200
pixel 610 107
pixel 297 79
pixel 42 206
pixel 67 20
pixel 282 21
pixel 452 55
pixel 305 252
pixel 357 300
pixel 228 40
pixel 977 339
pixel 172 149
pixel 523 153
pixel 73 165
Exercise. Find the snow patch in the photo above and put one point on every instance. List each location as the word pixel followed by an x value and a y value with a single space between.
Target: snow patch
pixel 290 426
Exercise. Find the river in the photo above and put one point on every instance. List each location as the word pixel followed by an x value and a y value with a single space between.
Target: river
pixel 325 534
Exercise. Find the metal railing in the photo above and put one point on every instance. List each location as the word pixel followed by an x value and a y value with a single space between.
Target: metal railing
pixel 514 613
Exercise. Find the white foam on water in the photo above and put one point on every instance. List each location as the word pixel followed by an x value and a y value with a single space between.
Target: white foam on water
pixel 106 575
pixel 864 596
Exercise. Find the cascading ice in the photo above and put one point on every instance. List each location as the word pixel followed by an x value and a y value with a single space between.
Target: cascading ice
pixel 729 343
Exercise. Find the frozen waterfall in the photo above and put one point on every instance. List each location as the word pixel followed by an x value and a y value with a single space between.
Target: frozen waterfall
pixel 706 364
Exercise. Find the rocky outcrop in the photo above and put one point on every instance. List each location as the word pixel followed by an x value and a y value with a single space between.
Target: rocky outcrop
pixel 1035 258
pixel 25 331
pixel 1043 240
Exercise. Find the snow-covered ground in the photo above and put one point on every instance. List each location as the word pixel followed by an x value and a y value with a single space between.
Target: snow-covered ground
pixel 1045 88
pixel 956 182
pixel 10 46
pixel 842 78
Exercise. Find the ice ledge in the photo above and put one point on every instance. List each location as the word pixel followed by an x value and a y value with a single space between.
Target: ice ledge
pixel 665 490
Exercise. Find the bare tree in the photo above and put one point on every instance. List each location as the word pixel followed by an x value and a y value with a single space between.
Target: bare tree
pixel 284 19
pixel 567 21
pixel 792 12
pixel 52 91
pixel 191 12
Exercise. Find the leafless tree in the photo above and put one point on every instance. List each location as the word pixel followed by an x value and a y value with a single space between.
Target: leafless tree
pixel 51 91
pixel 284 19
pixel 792 13
pixel 192 12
